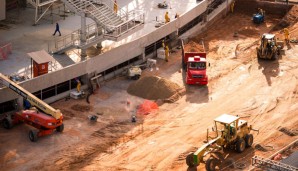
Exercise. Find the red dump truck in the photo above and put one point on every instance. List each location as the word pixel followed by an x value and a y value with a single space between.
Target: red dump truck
pixel 194 64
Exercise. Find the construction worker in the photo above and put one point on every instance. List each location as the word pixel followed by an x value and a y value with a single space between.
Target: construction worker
pixel 261 11
pixel 78 85
pixel 167 51
pixel 177 15
pixel 115 7
pixel 286 34
pixel 163 43
pixel 232 6
pixel 167 18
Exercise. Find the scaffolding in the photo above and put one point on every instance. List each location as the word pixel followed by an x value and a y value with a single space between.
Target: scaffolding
pixel 271 164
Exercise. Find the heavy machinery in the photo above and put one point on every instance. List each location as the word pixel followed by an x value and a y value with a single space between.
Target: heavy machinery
pixel 194 64
pixel 259 17
pixel 230 132
pixel 269 48
pixel 135 71
pixel 46 122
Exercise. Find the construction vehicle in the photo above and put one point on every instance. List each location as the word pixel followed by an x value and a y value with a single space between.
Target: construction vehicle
pixel 194 64
pixel 259 17
pixel 46 122
pixel 269 48
pixel 135 71
pixel 230 132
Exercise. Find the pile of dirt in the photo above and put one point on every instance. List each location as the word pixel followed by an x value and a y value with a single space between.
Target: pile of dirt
pixel 153 88
pixel 192 46
pixel 288 20
pixel 81 108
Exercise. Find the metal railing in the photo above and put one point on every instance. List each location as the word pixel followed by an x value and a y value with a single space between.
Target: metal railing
pixel 134 18
pixel 84 7
pixel 74 39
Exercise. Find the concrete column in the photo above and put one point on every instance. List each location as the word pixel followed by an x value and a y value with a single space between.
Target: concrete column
pixel 83 36
pixel 2 9
pixel 99 33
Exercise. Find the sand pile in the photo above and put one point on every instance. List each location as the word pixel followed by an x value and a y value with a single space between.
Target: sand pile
pixel 192 46
pixel 153 88
pixel 288 20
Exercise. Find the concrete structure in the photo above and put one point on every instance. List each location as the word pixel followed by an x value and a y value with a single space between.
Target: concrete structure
pixel 134 48
pixel 2 9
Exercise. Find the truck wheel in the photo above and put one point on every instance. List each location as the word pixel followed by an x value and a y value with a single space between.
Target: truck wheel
pixel 137 77
pixel 7 123
pixel 240 145
pixel 249 140
pixel 33 135
pixel 60 128
pixel 190 161
pixel 211 163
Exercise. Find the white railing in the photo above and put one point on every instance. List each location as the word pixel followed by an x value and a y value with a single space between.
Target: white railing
pixel 74 39
pixel 135 18
pixel 85 6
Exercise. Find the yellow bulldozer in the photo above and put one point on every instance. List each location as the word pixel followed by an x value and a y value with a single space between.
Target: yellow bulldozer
pixel 269 48
pixel 229 132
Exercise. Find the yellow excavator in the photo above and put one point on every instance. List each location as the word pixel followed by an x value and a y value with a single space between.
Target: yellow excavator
pixel 269 48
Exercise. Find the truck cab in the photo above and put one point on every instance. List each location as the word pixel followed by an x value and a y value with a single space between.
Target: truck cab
pixel 196 70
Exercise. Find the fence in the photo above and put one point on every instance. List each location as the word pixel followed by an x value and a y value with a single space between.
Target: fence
pixel 5 50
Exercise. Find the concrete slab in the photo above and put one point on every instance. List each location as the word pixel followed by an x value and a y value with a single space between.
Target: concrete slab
pixel 26 38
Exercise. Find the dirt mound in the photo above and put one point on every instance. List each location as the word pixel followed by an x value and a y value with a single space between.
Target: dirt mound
pixel 192 46
pixel 81 108
pixel 153 88
pixel 288 20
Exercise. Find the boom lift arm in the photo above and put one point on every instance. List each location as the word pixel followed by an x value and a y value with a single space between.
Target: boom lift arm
pixel 34 101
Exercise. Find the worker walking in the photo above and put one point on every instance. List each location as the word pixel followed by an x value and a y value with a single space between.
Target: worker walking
pixel 167 18
pixel 167 51
pixel 232 6
pixel 115 7
pixel 286 34
pixel 57 30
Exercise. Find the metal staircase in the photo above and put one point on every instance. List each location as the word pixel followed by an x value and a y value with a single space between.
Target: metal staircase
pixel 108 24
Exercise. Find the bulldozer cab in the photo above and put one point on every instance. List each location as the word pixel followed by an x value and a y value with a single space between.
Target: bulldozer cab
pixel 226 126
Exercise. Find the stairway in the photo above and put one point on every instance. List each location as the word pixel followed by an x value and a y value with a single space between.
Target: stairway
pixel 113 26
pixel 100 13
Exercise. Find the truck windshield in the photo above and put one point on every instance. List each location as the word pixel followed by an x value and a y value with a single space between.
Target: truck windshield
pixel 197 65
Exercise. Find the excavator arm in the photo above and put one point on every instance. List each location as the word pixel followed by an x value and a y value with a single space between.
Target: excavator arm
pixel 30 97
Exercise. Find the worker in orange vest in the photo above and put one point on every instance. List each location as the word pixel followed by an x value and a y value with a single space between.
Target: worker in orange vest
pixel 115 7
pixel 167 18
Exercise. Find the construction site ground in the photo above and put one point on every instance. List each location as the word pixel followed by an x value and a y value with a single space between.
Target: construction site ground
pixel 265 93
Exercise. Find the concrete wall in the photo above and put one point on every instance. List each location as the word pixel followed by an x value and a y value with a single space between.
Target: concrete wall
pixel 2 9
pixel 111 58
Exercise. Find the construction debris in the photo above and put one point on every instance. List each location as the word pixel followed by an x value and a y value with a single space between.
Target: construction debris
pixel 155 88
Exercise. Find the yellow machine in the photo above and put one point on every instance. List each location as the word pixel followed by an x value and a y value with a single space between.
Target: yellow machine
pixel 269 48
pixel 230 132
